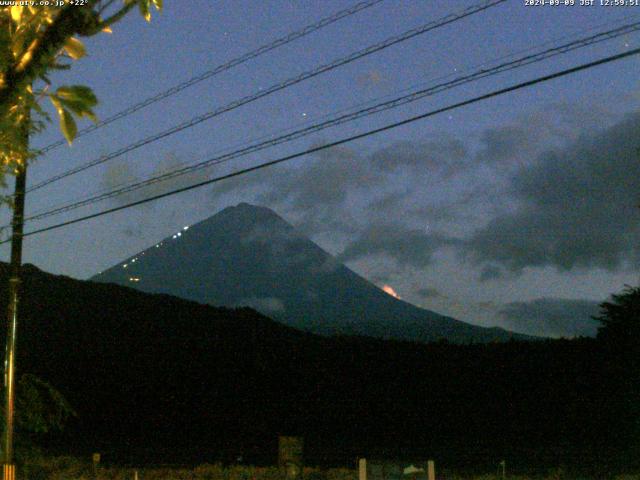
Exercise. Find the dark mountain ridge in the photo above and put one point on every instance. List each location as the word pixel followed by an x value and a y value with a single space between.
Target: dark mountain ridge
pixel 248 255
pixel 155 378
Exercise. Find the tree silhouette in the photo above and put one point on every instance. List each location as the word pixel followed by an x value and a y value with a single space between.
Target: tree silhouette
pixel 36 41
pixel 619 336
pixel 620 319
pixel 41 409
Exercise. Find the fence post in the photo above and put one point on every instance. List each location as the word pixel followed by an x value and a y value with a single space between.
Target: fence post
pixel 290 457
pixel 431 470
pixel 9 471
pixel 362 469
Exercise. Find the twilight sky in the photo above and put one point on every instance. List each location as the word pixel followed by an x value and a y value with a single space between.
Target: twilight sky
pixel 520 211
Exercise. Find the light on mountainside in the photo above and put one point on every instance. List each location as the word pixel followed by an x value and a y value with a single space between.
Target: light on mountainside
pixel 390 291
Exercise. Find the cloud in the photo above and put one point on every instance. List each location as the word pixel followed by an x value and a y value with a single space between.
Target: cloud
pixel 502 144
pixel 122 173
pixel 491 272
pixel 552 317
pixel 428 292
pixel 407 246
pixel 371 78
pixel 327 180
pixel 578 208
pixel 314 191
pixel 153 216
pixel 550 189
pixel 322 193
pixel 118 173
pixel 445 156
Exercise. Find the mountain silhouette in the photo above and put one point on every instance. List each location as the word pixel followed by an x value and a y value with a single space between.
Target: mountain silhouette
pixel 249 256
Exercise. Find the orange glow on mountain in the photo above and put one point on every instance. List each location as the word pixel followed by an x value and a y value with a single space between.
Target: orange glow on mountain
pixel 389 289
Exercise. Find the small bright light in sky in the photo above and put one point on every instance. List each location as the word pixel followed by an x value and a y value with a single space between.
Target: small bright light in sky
pixel 389 290
pixel 185 228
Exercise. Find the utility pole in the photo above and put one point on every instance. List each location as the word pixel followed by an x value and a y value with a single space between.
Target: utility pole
pixel 12 310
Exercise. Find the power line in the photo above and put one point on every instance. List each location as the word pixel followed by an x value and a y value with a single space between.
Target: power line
pixel 362 104
pixel 336 143
pixel 313 27
pixel 451 18
pixel 396 102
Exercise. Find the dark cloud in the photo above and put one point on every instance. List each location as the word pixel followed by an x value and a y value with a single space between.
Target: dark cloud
pixel 132 232
pixel 380 278
pixel 428 292
pixel 118 173
pixel 571 206
pixel 123 173
pixel 578 207
pixel 553 126
pixel 491 272
pixel 371 79
pixel 328 180
pixel 321 192
pixel 442 157
pixel 392 201
pixel 552 317
pixel 317 190
pixel 504 143
pixel 140 220
pixel 406 246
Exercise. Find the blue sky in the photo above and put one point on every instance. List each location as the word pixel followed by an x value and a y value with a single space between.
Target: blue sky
pixel 505 212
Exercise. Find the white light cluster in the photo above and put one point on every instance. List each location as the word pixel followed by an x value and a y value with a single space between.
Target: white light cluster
pixel 134 279
pixel 158 245
pixel 133 260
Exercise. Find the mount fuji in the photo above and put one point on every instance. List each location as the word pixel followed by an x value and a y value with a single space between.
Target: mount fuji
pixel 247 255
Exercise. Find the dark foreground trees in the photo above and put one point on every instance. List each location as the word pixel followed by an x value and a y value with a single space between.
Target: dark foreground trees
pixel 41 409
pixel 619 339
pixel 620 319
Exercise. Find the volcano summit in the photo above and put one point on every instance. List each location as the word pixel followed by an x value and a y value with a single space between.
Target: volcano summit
pixel 249 256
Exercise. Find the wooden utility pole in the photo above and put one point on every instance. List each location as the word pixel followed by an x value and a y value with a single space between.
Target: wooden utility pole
pixel 12 310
